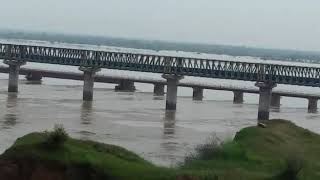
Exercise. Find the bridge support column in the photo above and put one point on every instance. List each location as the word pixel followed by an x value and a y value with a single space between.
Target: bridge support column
pixel 197 94
pixel 88 78
pixel 125 85
pixel 14 67
pixel 275 100
pixel 172 90
pixel 264 99
pixel 312 105
pixel 34 76
pixel 158 89
pixel 237 97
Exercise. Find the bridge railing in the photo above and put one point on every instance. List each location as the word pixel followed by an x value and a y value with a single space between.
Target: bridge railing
pixel 211 68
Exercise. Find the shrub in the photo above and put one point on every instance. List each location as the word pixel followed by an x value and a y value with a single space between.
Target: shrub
pixel 205 151
pixel 57 137
pixel 215 148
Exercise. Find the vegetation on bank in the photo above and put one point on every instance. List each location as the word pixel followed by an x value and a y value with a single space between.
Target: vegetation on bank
pixel 282 150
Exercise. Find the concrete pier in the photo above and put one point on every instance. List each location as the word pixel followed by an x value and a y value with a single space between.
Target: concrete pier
pixel 312 105
pixel 265 91
pixel 238 97
pixel 197 94
pixel 126 85
pixel 172 90
pixel 158 89
pixel 275 101
pixel 14 67
pixel 88 78
pixel 34 76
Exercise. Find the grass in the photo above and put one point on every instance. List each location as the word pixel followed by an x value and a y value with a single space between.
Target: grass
pixel 282 150
pixel 265 153
pixel 113 161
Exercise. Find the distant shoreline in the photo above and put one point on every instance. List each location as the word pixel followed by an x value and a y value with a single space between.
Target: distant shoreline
pixel 270 54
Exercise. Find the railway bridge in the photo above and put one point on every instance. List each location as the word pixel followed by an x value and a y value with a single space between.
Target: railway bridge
pixel 266 76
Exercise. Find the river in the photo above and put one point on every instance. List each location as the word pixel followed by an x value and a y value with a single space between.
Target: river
pixel 138 121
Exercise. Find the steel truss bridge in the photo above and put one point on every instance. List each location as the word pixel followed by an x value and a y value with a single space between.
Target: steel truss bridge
pixel 182 66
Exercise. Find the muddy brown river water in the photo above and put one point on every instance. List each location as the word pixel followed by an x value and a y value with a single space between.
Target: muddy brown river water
pixel 136 121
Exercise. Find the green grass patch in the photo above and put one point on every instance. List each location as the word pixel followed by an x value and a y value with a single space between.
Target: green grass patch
pixel 275 152
pixel 113 161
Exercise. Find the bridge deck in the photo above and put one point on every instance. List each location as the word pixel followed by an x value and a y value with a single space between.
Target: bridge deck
pixel 210 68
pixel 117 79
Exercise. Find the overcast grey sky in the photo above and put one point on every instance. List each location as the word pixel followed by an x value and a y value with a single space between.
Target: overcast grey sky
pixel 293 24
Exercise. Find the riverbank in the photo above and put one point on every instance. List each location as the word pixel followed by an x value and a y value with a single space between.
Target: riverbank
pixel 276 152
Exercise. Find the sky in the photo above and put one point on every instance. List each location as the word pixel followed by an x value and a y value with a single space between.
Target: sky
pixel 285 24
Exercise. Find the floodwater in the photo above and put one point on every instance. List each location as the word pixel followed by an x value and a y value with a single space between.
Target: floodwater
pixel 136 121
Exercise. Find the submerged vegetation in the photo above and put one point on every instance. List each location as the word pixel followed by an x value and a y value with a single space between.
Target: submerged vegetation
pixel 280 151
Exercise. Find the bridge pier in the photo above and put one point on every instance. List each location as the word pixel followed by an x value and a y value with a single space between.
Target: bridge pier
pixel 158 89
pixel 34 76
pixel 265 91
pixel 88 78
pixel 275 101
pixel 126 85
pixel 197 94
pixel 238 97
pixel 312 105
pixel 14 67
pixel 172 90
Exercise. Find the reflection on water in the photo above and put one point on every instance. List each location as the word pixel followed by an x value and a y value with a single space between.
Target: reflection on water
pixel 169 142
pixel 10 117
pixel 169 122
pixel 10 120
pixel 12 100
pixel 33 82
pixel 86 118
pixel 86 112
pixel 275 109
pixel 158 97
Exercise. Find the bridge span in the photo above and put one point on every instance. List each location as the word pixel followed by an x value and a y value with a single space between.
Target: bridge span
pixel 265 75
pixel 127 84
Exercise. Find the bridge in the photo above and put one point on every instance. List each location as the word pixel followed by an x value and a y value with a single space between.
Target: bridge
pixel 266 76
pixel 127 84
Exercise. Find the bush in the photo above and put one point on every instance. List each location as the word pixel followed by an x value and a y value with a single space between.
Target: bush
pixel 215 148
pixel 57 137
pixel 205 151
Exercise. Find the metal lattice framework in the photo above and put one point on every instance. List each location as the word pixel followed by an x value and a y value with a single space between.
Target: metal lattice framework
pixel 210 68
